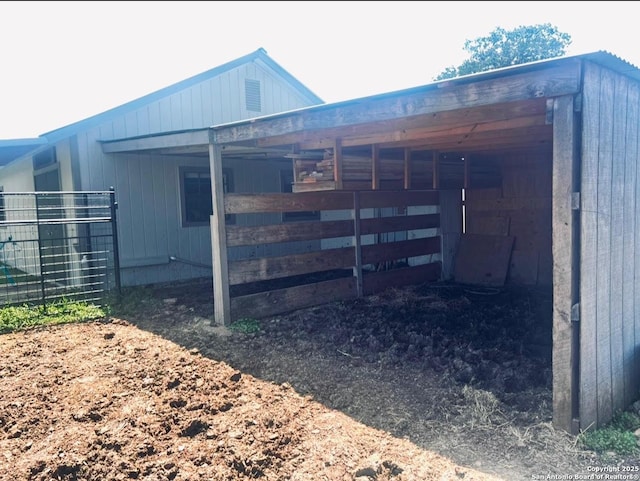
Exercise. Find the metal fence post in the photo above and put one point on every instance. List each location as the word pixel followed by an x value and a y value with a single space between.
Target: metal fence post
pixel 39 231
pixel 113 204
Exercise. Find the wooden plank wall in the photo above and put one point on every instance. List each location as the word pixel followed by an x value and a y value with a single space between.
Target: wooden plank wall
pixel 609 243
pixel 520 208
pixel 361 260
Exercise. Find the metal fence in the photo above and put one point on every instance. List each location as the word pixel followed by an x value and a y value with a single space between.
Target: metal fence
pixel 56 245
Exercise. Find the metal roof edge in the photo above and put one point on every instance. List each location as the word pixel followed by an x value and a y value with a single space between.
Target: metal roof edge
pixel 601 57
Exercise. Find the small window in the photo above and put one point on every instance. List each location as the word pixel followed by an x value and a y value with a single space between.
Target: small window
pixel 195 195
pixel 286 186
pixel 3 212
pixel 252 96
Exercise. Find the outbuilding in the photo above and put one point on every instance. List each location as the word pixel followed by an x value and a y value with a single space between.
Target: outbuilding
pixel 525 175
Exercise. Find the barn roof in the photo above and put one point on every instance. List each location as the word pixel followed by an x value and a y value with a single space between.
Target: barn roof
pixel 468 113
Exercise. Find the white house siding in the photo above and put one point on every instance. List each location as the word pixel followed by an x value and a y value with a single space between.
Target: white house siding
pixel 147 190
pixel 149 219
pixel 18 177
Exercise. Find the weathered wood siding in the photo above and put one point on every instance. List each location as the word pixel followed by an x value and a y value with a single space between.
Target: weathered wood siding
pixel 610 246
pixel 147 186
pixel 354 256
pixel 521 208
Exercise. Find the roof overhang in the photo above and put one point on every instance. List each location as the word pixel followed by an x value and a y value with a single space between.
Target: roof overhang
pixel 12 149
pixel 506 109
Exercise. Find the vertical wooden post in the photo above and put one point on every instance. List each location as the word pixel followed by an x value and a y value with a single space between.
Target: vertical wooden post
pixel 294 164
pixel 337 163
pixel 436 170
pixel 407 168
pixel 221 299
pixel 565 245
pixel 375 167
pixel 357 270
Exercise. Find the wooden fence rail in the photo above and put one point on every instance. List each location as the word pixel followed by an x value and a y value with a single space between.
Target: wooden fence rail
pixel 364 267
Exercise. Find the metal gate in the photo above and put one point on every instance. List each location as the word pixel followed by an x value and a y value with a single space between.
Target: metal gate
pixel 57 245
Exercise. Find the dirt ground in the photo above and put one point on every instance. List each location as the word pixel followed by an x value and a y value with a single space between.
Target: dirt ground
pixel 435 382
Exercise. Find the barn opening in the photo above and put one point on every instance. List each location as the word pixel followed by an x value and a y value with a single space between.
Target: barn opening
pixel 506 178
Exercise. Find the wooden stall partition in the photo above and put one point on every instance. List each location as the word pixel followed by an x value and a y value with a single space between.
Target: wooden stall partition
pixel 267 286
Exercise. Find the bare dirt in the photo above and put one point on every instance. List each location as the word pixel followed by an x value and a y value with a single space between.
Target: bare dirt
pixel 436 382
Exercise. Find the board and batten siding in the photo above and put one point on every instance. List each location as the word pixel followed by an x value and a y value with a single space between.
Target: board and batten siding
pixel 147 186
pixel 609 246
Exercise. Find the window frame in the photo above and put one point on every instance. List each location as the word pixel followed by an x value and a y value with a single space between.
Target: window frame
pixel 205 174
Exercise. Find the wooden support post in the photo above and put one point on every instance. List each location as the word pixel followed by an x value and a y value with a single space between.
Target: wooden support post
pixel 295 148
pixel 407 168
pixel 337 163
pixel 436 169
pixel 357 270
pixel 221 298
pixel 375 167
pixel 564 248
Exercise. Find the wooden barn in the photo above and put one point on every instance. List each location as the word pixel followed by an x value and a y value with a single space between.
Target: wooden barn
pixel 526 175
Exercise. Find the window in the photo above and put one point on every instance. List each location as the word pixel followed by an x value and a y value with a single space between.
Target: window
pixel 286 185
pixel 195 195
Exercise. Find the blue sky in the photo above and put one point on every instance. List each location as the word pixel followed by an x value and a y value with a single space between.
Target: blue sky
pixel 65 61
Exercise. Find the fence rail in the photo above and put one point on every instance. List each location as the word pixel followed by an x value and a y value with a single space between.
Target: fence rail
pixel 366 242
pixel 56 245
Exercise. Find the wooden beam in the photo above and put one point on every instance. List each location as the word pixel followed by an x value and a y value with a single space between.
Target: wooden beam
pixel 285 202
pixel 199 138
pixel 375 167
pixel 357 243
pixel 399 136
pixel 477 136
pixel 435 164
pixel 337 163
pixel 390 251
pixel 565 152
pixel 526 138
pixel 399 198
pixel 263 269
pixel 403 128
pixel 407 168
pixel 240 235
pixel 553 80
pixel 279 301
pixel 378 225
pixel 221 302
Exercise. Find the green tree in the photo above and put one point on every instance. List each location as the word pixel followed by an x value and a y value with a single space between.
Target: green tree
pixel 503 48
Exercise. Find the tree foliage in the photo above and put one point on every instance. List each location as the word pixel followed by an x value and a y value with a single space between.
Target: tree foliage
pixel 503 48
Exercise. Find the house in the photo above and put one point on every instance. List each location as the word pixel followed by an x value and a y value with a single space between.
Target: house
pixel 528 175
pixel 164 200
